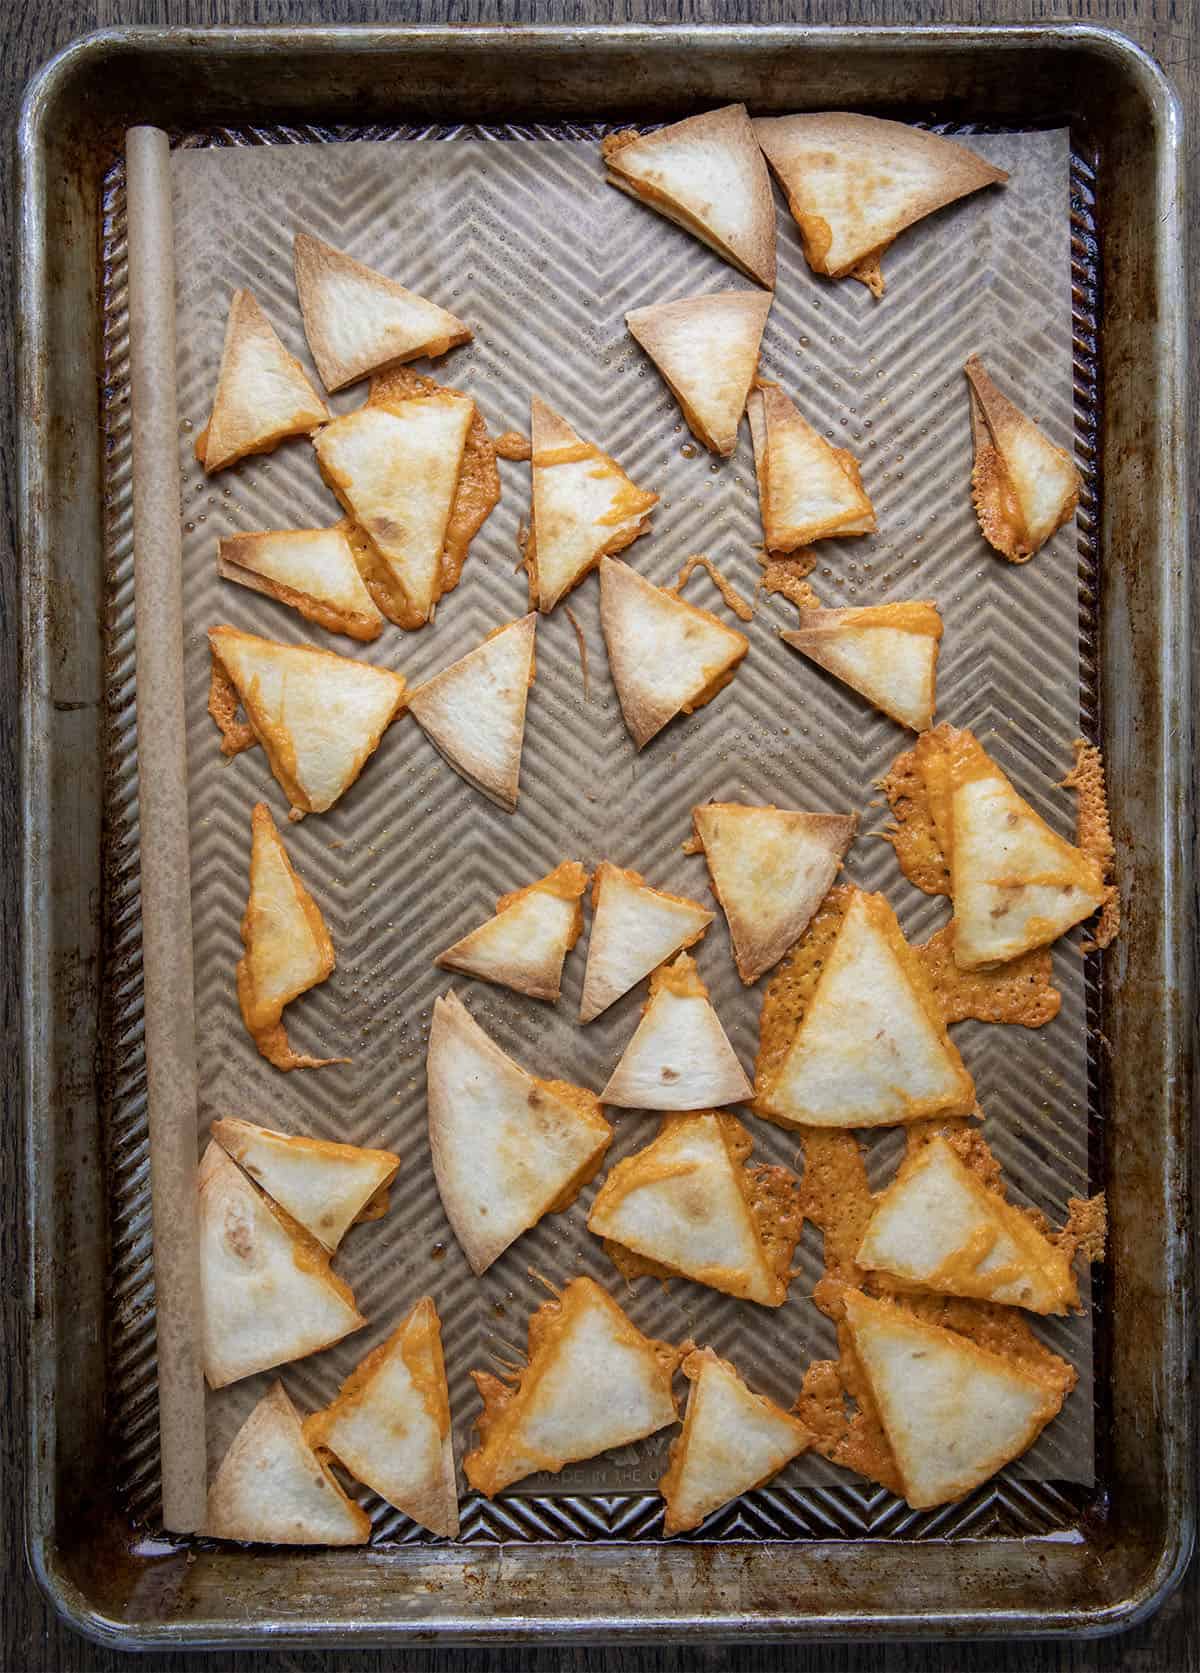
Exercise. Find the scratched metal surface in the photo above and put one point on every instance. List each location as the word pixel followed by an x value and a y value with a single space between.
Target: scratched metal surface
pixel 519 235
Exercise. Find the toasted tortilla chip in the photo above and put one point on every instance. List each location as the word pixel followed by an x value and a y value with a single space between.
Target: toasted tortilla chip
pixel 732 1441
pixel 593 1382
pixel 953 1413
pixel 634 929
pixel 707 175
pixel 267 1293
pixel 390 1423
pixel 262 391
pixel 686 1205
pixel 680 1058
pixel 312 570
pixel 706 348
pixel 938 1227
pixel 1024 486
pixel 474 711
pixel 854 182
pixel 667 656
pixel 356 320
pixel 524 946
pixel 507 1147
pixel 887 652
pixel 288 949
pixel 395 465
pixel 807 488
pixel 584 508
pixel 871 1049
pixel 771 868
pixel 1015 883
pixel 322 1185
pixel 319 716
pixel 272 1488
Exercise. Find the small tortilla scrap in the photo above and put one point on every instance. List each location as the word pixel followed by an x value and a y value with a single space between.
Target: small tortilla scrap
pixel 732 1441
pixel 807 488
pixel 886 652
pixel 853 183
pixel 1015 883
pixel 357 320
pixel 667 657
pixel 262 394
pixel 634 929
pixel 584 508
pixel 507 1147
pixel 324 1186
pixel 707 175
pixel 474 711
pixel 680 1057
pixel 869 1047
pixel 1024 486
pixel 288 949
pixel 267 1293
pixel 394 465
pixel 390 1423
pixel 770 868
pixel 311 570
pixel 953 1413
pixel 318 716
pixel 938 1227
pixel 593 1382
pixel 272 1488
pixel 688 1206
pixel 706 348
pixel 525 945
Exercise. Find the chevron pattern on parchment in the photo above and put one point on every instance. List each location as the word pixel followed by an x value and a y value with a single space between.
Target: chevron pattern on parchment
pixel 515 231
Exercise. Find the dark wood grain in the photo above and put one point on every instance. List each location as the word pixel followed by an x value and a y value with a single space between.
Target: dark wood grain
pixel 30 1635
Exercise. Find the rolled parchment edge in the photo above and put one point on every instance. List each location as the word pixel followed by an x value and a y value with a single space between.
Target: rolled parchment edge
pixel 172 1090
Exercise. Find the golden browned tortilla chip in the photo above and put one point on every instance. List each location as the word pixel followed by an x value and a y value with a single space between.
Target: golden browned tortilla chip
pixel 807 488
pixel 524 946
pixel 322 1185
pixel 887 652
pixel 706 348
pixel 680 1057
pixel 1024 486
pixel 262 392
pixel 634 929
pixel 312 570
pixel 357 320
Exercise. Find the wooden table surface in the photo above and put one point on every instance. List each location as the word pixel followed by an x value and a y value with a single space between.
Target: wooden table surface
pixel 30 1635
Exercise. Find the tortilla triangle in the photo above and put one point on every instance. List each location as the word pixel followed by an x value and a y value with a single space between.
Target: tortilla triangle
pixel 1016 884
pixel 593 1382
pixel 938 1227
pixel 273 1489
pixel 390 1423
pixel 319 716
pixel 667 656
pixel 871 1049
pixel 356 320
pixel 771 868
pixel 584 507
pixel 634 929
pixel 807 488
pixel 685 1204
pixel 706 348
pixel 312 570
pixel 324 1186
pixel 953 1413
pixel 474 711
pixel 394 466
pixel 732 1441
pixel 886 652
pixel 854 182
pixel 507 1147
pixel 707 175
pixel 287 947
pixel 524 946
pixel 266 1290
pixel 262 392
pixel 1024 486
pixel 680 1057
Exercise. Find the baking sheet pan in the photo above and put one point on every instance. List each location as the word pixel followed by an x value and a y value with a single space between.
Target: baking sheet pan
pixel 595 1507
